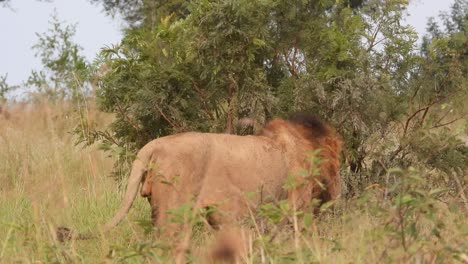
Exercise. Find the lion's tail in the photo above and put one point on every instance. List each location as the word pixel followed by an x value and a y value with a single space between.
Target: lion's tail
pixel 136 175
pixel 138 169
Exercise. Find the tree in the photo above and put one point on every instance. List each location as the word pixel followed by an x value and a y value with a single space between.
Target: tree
pixel 65 71
pixel 146 13
pixel 204 64
pixel 5 88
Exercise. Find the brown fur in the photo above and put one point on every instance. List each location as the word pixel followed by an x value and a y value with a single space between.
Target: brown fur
pixel 219 170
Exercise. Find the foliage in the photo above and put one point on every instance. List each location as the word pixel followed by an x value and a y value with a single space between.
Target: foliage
pixel 413 204
pixel 203 65
pixel 47 182
pixel 143 13
pixel 5 88
pixel 65 71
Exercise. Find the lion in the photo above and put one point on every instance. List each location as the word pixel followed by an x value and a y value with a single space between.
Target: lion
pixel 218 170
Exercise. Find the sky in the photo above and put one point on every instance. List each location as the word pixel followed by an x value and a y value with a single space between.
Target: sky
pixel 95 30
pixel 421 10
pixel 24 18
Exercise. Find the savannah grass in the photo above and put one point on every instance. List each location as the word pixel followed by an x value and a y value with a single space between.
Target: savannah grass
pixel 47 181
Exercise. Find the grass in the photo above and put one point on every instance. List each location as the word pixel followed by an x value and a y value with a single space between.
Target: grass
pixel 47 181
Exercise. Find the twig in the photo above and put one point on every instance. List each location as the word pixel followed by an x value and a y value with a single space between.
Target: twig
pixel 424 117
pixel 374 36
pixel 425 109
pixel 410 118
pixel 204 98
pixel 443 116
pixel 166 118
pixel 231 90
pixel 462 190
pixel 448 123
pixel 199 91
pixel 126 117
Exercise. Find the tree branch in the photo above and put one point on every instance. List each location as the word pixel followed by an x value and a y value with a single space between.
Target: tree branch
pixel 203 97
pixel 411 117
pixel 372 43
pixel 448 123
pixel 175 126
pixel 198 90
pixel 443 117
pixel 231 90
pixel 292 70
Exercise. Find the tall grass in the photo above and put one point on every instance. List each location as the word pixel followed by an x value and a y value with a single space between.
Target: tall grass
pixel 47 181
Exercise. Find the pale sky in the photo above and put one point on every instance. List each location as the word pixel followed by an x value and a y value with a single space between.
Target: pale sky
pixel 96 30
pixel 421 10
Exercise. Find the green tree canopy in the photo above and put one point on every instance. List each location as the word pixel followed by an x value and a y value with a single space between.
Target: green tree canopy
pixel 202 65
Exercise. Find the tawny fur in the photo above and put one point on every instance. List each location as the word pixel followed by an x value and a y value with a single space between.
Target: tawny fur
pixel 220 169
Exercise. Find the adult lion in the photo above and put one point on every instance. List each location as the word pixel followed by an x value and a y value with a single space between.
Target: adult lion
pixel 220 169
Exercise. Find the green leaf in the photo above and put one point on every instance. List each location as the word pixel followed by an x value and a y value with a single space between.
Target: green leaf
pixel 308 219
pixel 325 206
pixel 259 42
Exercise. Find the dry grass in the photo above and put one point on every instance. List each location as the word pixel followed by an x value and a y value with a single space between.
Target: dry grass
pixel 47 181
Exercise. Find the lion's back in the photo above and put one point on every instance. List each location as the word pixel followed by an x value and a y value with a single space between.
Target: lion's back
pixel 243 160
